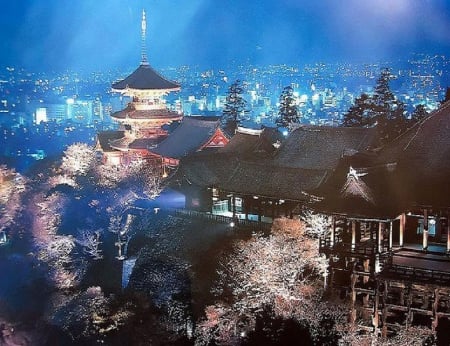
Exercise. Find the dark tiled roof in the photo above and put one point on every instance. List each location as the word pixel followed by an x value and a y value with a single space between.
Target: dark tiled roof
pixel 426 146
pixel 375 192
pixel 105 137
pixel 411 171
pixel 245 144
pixel 187 138
pixel 144 143
pixel 145 78
pixel 229 173
pixel 131 113
pixel 321 147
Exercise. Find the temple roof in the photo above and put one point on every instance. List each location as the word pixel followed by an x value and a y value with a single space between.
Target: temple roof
pixel 301 164
pixel 229 173
pixel 188 137
pixel 145 78
pixel 409 172
pixel 321 147
pixel 249 144
pixel 104 139
pixel 131 113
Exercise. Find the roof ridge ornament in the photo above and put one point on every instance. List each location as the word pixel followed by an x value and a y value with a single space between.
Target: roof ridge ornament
pixel 144 60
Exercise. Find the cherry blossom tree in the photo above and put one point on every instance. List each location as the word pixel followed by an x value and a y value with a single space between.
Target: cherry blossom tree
pixel 78 159
pixel 12 188
pixel 90 241
pixel 317 225
pixel 88 314
pixel 281 272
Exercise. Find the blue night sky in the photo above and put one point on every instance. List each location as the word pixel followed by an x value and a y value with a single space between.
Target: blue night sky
pixel 98 35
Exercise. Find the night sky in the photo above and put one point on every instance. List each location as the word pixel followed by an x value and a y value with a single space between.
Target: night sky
pixel 98 35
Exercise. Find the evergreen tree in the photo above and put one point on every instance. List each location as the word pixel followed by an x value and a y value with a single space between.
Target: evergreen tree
pixel 288 111
pixel 235 108
pixel 389 112
pixel 420 113
pixel 447 95
pixel 381 109
pixel 361 113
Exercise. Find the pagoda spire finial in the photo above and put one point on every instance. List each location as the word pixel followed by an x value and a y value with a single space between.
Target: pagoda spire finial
pixel 144 60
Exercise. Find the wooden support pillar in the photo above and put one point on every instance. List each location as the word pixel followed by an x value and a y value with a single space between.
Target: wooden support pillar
pixel 233 199
pixel 380 237
pixel 425 230
pixel 376 316
pixel 402 229
pixel 353 312
pixel 353 235
pixel 332 234
pixel 390 235
pixel 435 322
pixel 448 232
pixel 384 329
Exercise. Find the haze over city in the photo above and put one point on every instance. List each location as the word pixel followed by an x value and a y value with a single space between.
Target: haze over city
pixel 59 35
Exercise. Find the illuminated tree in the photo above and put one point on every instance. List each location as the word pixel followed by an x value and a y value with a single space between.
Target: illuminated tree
pixel 78 159
pixel 90 241
pixel 88 314
pixel 235 108
pixel 288 111
pixel 281 273
pixel 12 188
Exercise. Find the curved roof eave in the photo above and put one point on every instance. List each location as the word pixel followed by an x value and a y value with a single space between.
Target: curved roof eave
pixel 145 78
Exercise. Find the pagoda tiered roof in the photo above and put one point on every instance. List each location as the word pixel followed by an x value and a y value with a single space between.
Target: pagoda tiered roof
pixel 143 114
pixel 145 78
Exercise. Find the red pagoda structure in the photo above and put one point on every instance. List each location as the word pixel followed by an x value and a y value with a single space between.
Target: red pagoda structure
pixel 141 122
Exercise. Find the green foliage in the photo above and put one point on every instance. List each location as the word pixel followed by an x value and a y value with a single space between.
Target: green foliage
pixel 235 107
pixel 288 111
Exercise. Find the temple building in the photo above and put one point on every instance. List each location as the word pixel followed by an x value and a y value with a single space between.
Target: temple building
pixel 255 177
pixel 141 123
pixel 389 242
pixel 194 134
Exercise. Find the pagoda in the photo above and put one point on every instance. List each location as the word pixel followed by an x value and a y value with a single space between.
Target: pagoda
pixel 141 122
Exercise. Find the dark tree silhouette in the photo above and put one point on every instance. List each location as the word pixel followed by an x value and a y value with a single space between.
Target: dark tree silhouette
pixel 447 95
pixel 288 111
pixel 361 113
pixel 382 109
pixel 235 108
pixel 420 113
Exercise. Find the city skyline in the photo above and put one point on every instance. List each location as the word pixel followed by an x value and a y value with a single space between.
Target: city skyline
pixel 91 36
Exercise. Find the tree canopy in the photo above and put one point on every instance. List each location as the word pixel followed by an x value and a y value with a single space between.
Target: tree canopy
pixel 235 107
pixel 288 111
pixel 381 109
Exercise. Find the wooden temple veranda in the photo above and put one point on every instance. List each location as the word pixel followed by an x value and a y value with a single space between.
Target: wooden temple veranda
pixel 389 245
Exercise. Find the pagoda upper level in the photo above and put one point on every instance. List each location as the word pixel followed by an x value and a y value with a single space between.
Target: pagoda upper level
pixel 146 112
